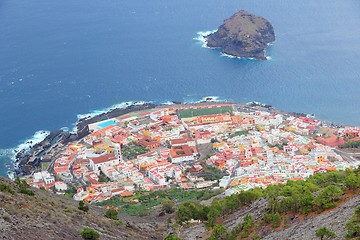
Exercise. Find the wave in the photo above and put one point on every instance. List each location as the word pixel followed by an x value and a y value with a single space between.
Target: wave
pixel 231 56
pixel 167 103
pixel 36 138
pixel 206 99
pixel 201 37
pixel 65 129
pixel 8 156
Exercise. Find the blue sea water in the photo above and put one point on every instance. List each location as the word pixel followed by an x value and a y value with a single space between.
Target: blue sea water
pixel 62 58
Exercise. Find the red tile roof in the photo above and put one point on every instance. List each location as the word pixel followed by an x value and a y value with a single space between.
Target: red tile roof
pixel 105 158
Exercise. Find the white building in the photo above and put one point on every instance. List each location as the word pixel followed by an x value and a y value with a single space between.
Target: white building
pixel 105 160
pixel 45 176
pixel 60 186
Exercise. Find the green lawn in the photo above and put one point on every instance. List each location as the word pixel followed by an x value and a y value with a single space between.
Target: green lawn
pixel 44 165
pixel 204 111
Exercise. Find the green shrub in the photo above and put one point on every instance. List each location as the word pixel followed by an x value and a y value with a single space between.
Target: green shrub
pixel 119 223
pixel 112 214
pixel 353 225
pixel 21 183
pixel 171 237
pixel 6 188
pixel 324 233
pixel 83 206
pixel 88 233
pixel 219 233
pixel 168 206
pixel 27 192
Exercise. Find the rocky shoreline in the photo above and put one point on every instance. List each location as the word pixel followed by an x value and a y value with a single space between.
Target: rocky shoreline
pixel 26 161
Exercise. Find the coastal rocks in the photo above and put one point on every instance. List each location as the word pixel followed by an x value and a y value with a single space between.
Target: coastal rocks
pixel 243 35
pixel 29 159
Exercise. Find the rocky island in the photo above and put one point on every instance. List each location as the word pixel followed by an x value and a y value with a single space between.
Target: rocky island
pixel 243 35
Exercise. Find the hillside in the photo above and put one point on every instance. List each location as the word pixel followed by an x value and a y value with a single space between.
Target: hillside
pixel 293 211
pixel 298 228
pixel 50 216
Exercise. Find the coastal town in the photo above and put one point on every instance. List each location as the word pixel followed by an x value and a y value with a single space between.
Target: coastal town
pixel 211 146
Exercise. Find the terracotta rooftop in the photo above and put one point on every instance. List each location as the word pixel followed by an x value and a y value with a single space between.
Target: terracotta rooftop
pixel 105 158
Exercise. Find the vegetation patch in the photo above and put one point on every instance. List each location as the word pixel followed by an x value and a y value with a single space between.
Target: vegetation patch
pixel 351 144
pixel 141 203
pixel 132 150
pixel 188 113
pixel 239 133
pixel 45 165
pixel 23 185
pixel 6 188
pixel 353 225
pixel 112 214
pixel 83 207
pixel 210 173
pixel 324 233
pixel 314 195
pixel 89 233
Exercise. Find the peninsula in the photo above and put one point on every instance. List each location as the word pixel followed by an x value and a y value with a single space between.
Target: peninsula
pixel 243 35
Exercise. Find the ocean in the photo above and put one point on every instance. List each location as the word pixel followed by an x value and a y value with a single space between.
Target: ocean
pixel 59 59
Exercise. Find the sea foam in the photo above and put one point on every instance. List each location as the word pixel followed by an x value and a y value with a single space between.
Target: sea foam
pixel 167 103
pixel 36 138
pixel 105 110
pixel 8 156
pixel 201 37
pixel 205 99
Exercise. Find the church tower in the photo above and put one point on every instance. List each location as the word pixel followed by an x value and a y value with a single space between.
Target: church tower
pixel 117 151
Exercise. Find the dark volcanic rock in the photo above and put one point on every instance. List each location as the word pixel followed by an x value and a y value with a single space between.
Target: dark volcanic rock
pixel 243 35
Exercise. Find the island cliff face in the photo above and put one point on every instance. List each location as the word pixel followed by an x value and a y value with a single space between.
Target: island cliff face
pixel 243 35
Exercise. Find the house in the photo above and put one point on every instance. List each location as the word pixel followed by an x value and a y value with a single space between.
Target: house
pixel 183 153
pixel 105 160
pixel 44 176
pixel 149 143
pixel 60 186
pixel 182 141
pixel 203 137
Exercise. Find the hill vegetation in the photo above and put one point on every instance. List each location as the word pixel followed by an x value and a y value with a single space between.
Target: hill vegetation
pixel 296 199
pixel 27 213
pixel 142 203
pixel 351 144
